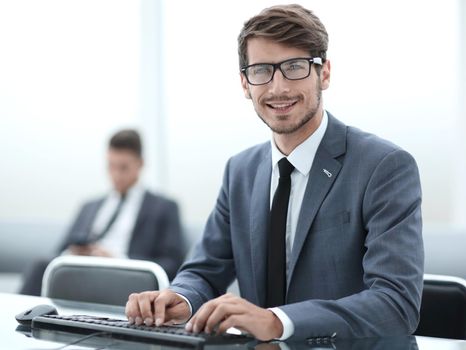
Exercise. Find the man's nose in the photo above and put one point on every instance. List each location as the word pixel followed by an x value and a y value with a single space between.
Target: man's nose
pixel 279 84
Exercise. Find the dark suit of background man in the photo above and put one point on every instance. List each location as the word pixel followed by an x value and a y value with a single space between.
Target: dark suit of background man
pixel 129 222
pixel 351 244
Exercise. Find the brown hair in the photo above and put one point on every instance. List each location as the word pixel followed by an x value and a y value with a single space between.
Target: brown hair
pixel 127 139
pixel 290 25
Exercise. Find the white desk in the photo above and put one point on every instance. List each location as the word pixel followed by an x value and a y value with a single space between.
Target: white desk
pixel 11 338
pixel 12 304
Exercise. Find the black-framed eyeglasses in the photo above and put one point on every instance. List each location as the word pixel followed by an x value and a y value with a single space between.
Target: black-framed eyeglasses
pixel 292 69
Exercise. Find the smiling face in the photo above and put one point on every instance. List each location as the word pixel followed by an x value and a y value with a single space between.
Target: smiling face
pixel 292 109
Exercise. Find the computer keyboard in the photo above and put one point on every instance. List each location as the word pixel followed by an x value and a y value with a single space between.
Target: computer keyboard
pixel 119 328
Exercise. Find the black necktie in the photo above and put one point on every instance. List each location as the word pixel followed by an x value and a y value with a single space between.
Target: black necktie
pixel 276 247
pixel 101 234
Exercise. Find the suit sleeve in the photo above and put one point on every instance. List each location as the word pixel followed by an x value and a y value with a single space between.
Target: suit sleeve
pixel 392 263
pixel 78 229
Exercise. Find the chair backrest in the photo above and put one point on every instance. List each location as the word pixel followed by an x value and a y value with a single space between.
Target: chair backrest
pixel 100 280
pixel 443 307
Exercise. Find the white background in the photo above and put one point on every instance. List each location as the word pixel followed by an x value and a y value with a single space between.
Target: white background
pixel 73 72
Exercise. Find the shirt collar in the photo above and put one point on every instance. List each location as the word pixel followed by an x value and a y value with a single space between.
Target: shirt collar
pixel 303 155
pixel 132 192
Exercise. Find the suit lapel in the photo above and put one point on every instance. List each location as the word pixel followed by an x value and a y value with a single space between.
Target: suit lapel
pixel 323 173
pixel 259 223
pixel 90 217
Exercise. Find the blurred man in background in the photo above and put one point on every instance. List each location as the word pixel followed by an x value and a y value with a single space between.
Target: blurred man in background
pixel 129 222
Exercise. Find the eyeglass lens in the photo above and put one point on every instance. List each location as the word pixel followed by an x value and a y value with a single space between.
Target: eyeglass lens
pixel 292 69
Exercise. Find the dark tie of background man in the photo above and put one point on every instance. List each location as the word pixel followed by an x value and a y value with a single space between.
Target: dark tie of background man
pixel 276 249
pixel 98 236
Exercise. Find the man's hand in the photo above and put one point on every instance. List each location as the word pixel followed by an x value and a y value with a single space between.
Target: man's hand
pixel 89 250
pixel 84 250
pixel 159 307
pixel 97 250
pixel 232 311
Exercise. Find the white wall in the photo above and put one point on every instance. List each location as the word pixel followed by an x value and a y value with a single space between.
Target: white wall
pixel 395 71
pixel 459 202
pixel 70 76
pixel 72 72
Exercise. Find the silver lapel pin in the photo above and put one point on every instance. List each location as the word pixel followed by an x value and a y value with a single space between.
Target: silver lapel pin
pixel 328 173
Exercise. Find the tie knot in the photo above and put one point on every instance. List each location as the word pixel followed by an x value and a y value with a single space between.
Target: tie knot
pixel 285 167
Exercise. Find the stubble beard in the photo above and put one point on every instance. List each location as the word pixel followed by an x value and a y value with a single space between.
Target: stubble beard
pixel 289 129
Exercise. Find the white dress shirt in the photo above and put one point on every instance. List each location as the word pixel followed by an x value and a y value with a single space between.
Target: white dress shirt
pixel 302 158
pixel 116 240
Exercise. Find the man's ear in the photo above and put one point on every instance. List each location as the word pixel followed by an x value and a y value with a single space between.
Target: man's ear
pixel 245 86
pixel 325 75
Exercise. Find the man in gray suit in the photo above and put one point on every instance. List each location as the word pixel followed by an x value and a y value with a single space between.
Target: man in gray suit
pixel 129 222
pixel 352 245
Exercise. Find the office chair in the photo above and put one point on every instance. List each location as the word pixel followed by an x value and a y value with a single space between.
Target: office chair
pixel 443 307
pixel 100 280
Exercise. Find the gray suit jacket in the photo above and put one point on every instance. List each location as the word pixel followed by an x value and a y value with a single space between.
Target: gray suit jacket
pixel 357 260
pixel 157 234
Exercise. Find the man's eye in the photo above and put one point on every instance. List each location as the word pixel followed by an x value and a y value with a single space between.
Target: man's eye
pixel 294 67
pixel 261 70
